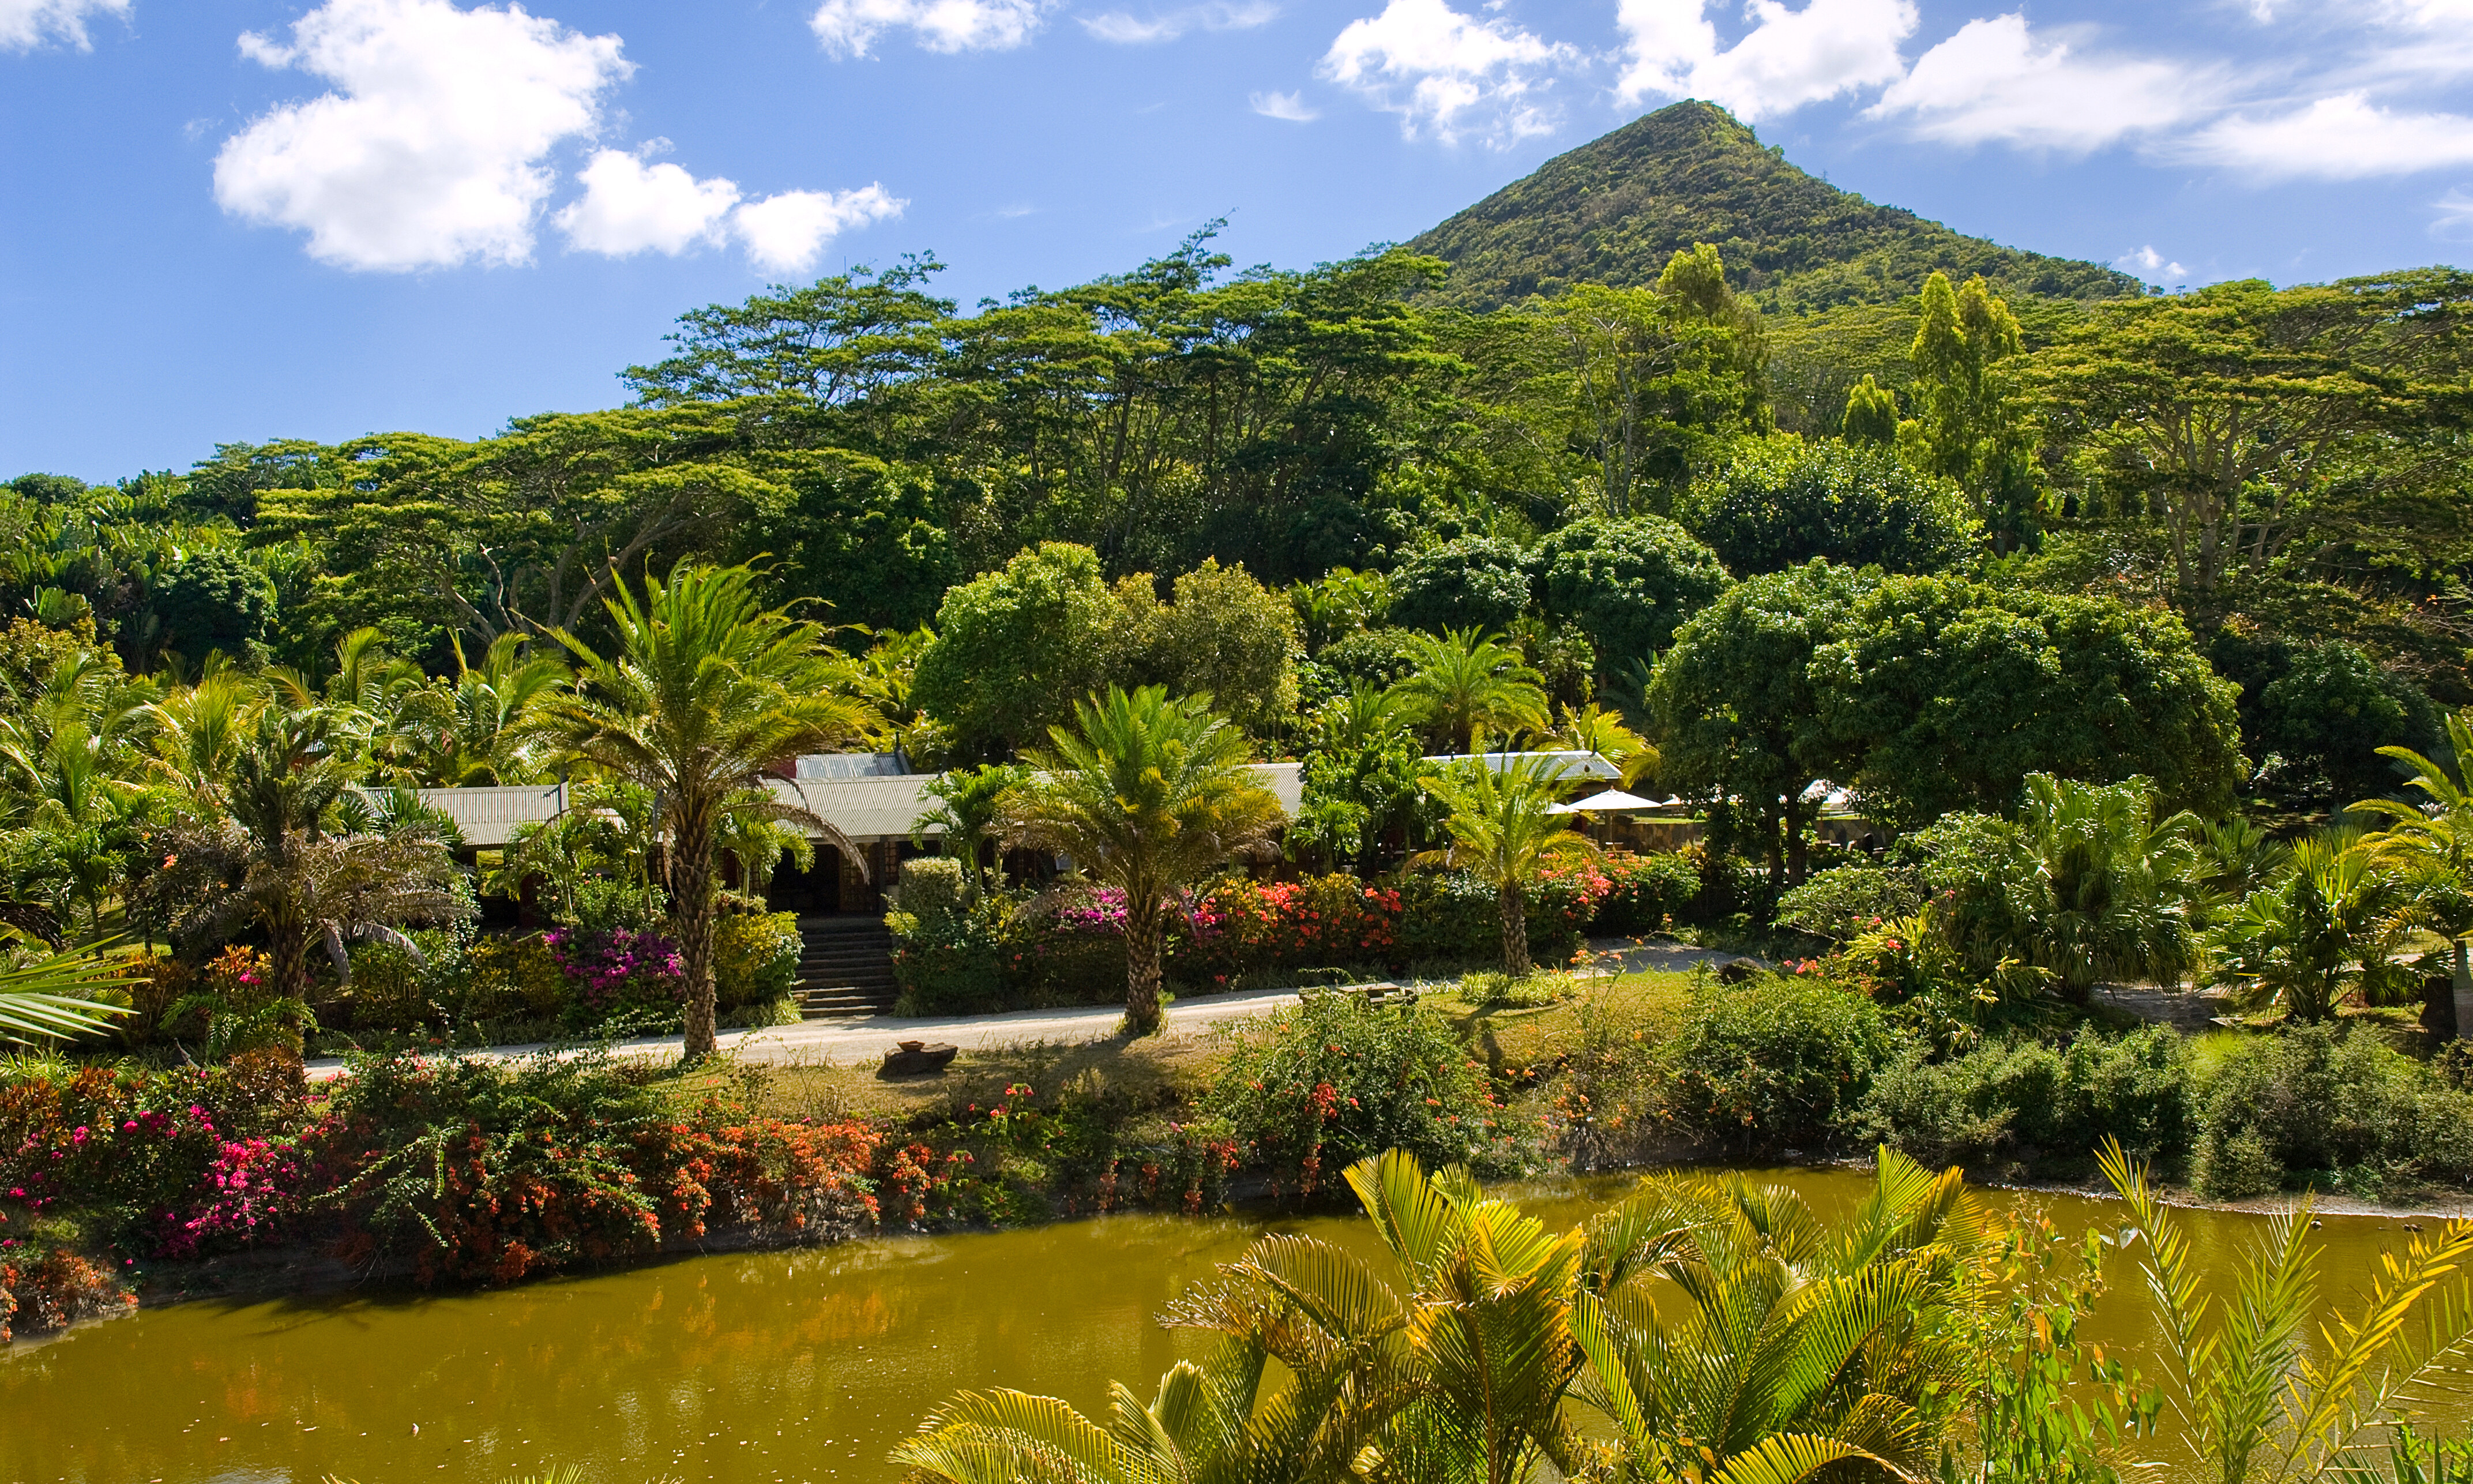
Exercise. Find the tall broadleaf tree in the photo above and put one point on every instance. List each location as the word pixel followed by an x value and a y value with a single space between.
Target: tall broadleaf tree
pixel 704 691
pixel 1149 795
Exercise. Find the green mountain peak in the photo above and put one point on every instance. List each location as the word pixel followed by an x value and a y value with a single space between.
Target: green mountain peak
pixel 1614 209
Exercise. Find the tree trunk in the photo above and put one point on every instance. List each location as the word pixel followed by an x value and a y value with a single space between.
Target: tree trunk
pixel 2463 992
pixel 690 873
pixel 1143 926
pixel 1515 931
pixel 291 944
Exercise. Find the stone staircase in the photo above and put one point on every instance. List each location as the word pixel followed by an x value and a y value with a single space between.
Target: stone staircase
pixel 845 967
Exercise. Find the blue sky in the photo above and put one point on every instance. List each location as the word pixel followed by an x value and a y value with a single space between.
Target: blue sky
pixel 243 220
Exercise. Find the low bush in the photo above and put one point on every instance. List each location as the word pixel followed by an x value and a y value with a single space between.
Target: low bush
pixel 946 945
pixel 1844 901
pixel 1777 1062
pixel 954 957
pixel 520 975
pixel 1253 927
pixel 755 958
pixel 490 1172
pixel 134 1153
pixel 619 974
pixel 1645 893
pixel 1069 952
pixel 2048 1108
pixel 1312 1088
pixel 2321 1106
pixel 52 1287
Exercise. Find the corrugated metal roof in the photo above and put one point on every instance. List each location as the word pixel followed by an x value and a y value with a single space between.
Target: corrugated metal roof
pixel 488 816
pixel 866 807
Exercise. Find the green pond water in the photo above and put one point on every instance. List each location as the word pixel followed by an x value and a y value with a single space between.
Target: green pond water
pixel 738 1369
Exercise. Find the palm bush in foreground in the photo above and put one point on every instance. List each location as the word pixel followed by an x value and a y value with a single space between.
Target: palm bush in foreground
pixel 2257 1398
pixel 1798 1346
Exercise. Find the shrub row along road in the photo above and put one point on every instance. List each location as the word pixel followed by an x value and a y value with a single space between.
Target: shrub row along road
pixel 869 1037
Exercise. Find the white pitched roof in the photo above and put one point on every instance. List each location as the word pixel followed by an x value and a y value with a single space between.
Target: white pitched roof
pixel 1572 764
pixel 861 804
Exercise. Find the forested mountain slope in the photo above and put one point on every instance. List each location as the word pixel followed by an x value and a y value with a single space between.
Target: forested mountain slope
pixel 1614 210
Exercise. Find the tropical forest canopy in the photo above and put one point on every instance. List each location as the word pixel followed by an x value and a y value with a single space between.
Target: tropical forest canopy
pixel 1798 486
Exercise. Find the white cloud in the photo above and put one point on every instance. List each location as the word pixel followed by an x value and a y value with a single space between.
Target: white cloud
pixel 1284 105
pixel 1786 59
pixel 429 152
pixel 2341 138
pixel 629 206
pixel 26 24
pixel 1444 71
pixel 2455 220
pixel 1126 30
pixel 1993 80
pixel 849 28
pixel 784 233
pixel 2147 260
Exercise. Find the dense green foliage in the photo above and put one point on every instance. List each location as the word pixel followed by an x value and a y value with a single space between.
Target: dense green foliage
pixel 1783 502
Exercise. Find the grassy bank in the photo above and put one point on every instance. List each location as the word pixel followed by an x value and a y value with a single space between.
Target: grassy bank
pixel 452 1170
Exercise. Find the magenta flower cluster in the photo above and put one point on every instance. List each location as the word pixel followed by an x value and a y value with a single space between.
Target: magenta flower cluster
pixel 619 965
pixel 1100 910
pixel 44 1176
pixel 252 1186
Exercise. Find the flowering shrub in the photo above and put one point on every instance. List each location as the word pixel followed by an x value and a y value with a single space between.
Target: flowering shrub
pixel 488 1172
pixel 54 1288
pixel 620 969
pixel 1249 927
pixel 250 1193
pixel 1643 893
pixel 807 1180
pixel 754 957
pixel 1311 1089
pixel 1073 953
pixel 128 1146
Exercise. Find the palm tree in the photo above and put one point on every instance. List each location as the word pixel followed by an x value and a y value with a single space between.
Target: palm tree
pixel 53 996
pixel 1467 684
pixel 1592 729
pixel 1506 831
pixel 2433 843
pixel 2329 926
pixel 969 802
pixel 705 690
pixel 198 731
pixel 383 701
pixel 480 738
pixel 1147 794
pixel 305 855
pixel 2099 888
